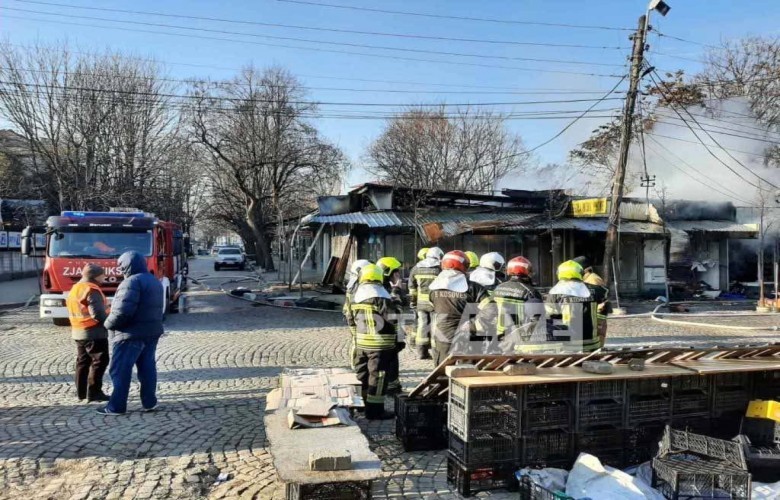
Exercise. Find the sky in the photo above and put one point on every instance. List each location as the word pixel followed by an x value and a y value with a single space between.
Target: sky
pixel 486 66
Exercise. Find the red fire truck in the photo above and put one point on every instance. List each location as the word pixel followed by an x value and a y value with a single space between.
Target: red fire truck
pixel 75 238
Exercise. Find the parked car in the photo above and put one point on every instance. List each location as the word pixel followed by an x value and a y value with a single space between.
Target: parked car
pixel 230 257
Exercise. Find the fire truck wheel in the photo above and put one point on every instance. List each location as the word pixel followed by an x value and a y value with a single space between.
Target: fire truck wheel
pixel 216 267
pixel 61 321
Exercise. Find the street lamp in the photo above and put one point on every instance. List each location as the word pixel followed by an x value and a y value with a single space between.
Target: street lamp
pixel 659 5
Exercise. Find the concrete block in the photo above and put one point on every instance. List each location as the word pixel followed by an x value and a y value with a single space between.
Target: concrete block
pixel 330 460
pixel 600 367
pixel 520 369
pixel 636 365
pixel 464 370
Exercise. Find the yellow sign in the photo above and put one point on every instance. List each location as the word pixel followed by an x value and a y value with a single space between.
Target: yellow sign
pixel 589 207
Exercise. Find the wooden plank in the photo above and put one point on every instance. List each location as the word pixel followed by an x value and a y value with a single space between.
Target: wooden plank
pixel 730 365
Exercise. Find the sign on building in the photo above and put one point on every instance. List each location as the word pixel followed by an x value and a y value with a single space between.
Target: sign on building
pixel 14 239
pixel 589 207
pixel 3 240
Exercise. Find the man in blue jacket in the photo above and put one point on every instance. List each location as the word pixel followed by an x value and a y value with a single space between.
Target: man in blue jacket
pixel 135 326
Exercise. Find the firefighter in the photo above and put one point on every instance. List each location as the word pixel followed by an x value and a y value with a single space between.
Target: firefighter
pixel 422 254
pixel 451 293
pixel 377 341
pixel 352 285
pixel 391 269
pixel 572 310
pixel 518 303
pixel 87 311
pixel 488 273
pixel 473 260
pixel 600 292
pixel 420 278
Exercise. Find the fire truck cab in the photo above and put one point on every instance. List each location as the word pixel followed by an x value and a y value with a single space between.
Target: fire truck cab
pixel 75 238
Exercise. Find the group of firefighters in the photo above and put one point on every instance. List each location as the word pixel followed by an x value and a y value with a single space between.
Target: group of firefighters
pixel 464 303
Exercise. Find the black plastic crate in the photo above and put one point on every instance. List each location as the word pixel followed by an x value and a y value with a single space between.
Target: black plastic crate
pixel 601 390
pixel 647 387
pixel 726 425
pixel 698 425
pixel 684 477
pixel 529 490
pixel 553 448
pixel 500 418
pixel 689 443
pixel 763 461
pixel 730 400
pixel 769 379
pixel 352 490
pixel 468 480
pixel 555 415
pixel 600 414
pixel 732 380
pixel 484 449
pixel 420 424
pixel 642 442
pixel 473 399
pixel 761 431
pixel 687 383
pixel 606 444
pixel 690 403
pixel 648 409
pixel 545 393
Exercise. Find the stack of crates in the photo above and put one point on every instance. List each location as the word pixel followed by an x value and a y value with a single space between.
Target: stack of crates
pixel 648 410
pixel 484 431
pixel 600 420
pixel 548 425
pixel 420 424
pixel 730 398
pixel 691 408
pixel 766 385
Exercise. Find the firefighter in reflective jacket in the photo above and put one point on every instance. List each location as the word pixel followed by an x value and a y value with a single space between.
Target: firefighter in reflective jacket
pixel 451 294
pixel 391 269
pixel 600 291
pixel 352 285
pixel 517 306
pixel 377 341
pixel 572 310
pixel 488 273
pixel 420 278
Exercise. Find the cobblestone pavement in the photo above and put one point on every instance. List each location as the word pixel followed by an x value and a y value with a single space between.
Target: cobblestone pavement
pixel 217 363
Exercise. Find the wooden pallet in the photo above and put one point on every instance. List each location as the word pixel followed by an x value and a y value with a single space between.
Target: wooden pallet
pixel 436 384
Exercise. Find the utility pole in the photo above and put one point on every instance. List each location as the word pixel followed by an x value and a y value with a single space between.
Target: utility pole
pixel 637 59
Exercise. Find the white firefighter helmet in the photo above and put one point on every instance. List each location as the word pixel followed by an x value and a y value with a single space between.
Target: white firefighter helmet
pixel 358 265
pixel 435 253
pixel 492 260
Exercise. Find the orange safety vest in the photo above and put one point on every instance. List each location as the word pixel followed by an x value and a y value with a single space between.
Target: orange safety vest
pixel 78 309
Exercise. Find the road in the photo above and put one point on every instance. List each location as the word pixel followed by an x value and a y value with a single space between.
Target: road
pixel 217 362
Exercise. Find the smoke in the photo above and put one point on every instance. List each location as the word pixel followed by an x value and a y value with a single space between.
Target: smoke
pixel 682 164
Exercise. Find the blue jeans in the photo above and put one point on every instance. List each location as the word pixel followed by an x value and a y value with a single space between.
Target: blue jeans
pixel 125 354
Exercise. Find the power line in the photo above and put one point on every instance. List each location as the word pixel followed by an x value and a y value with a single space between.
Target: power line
pixel 315 49
pixel 713 140
pixel 564 129
pixel 457 18
pixel 314 28
pixel 753 138
pixel 700 143
pixel 725 191
pixel 679 39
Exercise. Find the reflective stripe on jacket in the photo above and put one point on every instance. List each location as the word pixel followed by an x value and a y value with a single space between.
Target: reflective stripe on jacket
pixel 78 305
pixel 373 330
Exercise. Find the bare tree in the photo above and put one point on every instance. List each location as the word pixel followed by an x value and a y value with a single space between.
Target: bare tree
pixel 430 149
pixel 255 131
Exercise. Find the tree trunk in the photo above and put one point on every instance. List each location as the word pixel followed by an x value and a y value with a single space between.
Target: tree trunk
pixel 258 231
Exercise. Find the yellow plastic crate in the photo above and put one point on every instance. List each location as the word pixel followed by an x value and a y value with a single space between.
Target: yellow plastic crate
pixel 764 409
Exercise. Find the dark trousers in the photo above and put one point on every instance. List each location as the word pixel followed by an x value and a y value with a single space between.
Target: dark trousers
pixel 422 340
pixel 377 372
pixel 126 354
pixel 440 352
pixel 91 363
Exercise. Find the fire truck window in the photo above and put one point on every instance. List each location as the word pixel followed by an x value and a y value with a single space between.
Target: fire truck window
pixel 100 245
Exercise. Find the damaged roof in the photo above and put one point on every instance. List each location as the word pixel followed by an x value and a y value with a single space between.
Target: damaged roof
pixel 715 226
pixel 597 225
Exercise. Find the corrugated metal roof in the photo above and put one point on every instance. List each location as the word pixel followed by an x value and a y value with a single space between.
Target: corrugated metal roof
pixel 713 226
pixel 389 218
pixel 598 225
pixel 370 219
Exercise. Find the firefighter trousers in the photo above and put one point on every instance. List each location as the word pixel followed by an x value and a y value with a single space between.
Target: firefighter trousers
pixel 378 375
pixel 440 352
pixel 422 340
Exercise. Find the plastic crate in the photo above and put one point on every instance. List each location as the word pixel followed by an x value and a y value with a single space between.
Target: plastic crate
pixel 726 425
pixel 764 409
pixel 687 383
pixel 647 387
pixel 468 480
pixel 687 478
pixel 606 444
pixel 675 441
pixel 529 490
pixel 690 403
pixel 546 393
pixel 485 449
pixel 730 400
pixel 556 415
pixel 648 409
pixel 601 390
pixel 698 425
pixel 472 399
pixel 547 449
pixel 769 379
pixel 420 424
pixel 642 443
pixel 500 418
pixel 353 490
pixel 761 431
pixel 732 380
pixel 600 414
pixel 763 461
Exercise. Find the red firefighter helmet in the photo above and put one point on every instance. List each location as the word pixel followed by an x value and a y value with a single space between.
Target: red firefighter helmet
pixel 455 260
pixel 519 266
